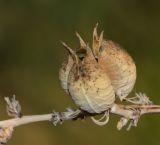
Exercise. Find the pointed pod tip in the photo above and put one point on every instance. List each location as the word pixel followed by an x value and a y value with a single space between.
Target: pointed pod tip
pixel 70 51
pixel 101 37
pixel 95 34
pixel 67 47
pixel 63 43
pixel 102 32
pixel 96 25
pixel 77 34
pixel 81 41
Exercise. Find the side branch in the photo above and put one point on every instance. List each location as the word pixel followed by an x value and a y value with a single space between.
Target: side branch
pixel 128 111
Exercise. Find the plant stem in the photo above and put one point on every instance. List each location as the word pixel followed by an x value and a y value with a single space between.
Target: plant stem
pixel 25 120
pixel 127 111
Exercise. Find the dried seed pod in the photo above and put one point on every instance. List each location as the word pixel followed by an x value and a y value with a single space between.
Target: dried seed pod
pixel 64 73
pixel 88 84
pixel 93 77
pixel 117 63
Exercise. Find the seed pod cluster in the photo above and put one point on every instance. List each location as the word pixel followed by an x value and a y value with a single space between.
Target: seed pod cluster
pixel 96 76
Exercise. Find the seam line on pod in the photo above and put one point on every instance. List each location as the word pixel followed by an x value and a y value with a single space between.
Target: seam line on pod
pixel 69 67
pixel 88 100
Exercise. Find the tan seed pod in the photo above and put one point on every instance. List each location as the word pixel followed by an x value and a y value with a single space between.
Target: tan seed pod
pixel 117 63
pixel 93 77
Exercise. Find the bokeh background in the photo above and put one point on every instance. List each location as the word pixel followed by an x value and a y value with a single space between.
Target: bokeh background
pixel 30 57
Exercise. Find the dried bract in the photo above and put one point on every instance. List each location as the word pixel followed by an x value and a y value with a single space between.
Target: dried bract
pixel 13 107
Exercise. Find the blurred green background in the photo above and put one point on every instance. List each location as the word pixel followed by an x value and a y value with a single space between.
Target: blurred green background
pixel 30 57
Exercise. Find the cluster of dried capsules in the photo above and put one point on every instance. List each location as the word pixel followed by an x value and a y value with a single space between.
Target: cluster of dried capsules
pixel 96 76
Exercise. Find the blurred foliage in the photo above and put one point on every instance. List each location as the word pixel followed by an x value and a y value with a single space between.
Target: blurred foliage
pixel 30 56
